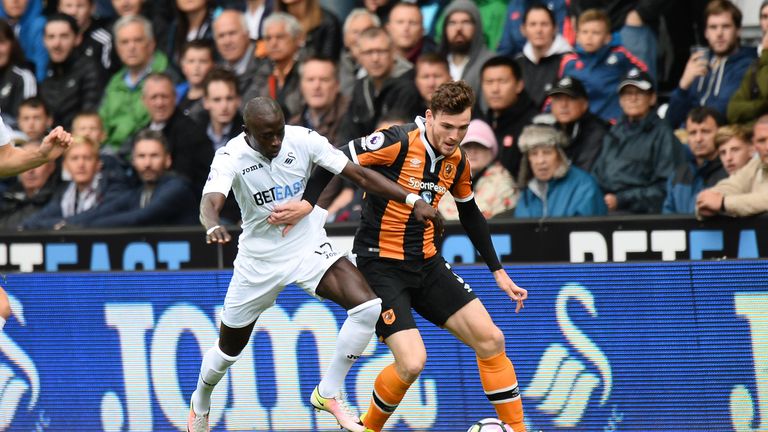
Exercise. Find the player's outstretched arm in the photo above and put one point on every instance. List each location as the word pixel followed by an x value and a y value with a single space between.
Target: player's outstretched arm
pixel 15 160
pixel 210 209
pixel 290 213
pixel 476 226
pixel 376 184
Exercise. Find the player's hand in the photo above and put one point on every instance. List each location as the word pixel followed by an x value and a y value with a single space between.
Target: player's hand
pixel 424 212
pixel 217 235
pixel 55 143
pixel 289 214
pixel 513 291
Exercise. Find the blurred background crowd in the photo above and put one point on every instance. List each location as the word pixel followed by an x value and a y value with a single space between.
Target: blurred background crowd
pixel 584 107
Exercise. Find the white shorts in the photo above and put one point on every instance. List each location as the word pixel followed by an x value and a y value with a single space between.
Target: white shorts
pixel 256 284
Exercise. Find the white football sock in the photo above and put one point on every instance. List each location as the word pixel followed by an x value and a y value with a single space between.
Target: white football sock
pixel 214 365
pixel 353 337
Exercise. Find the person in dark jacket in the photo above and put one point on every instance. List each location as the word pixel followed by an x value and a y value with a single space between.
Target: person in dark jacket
pixel 230 33
pixel 90 187
pixel 639 152
pixel 321 28
pixel 34 189
pixel 386 87
pixel 551 186
pixel 542 53
pixel 702 167
pixel 192 21
pixel 712 76
pixel 277 75
pixel 585 131
pixel 162 198
pixel 430 70
pixel 324 106
pixel 197 59
pixel 73 81
pixel 509 107
pixel 405 26
pixel 190 149
pixel 95 34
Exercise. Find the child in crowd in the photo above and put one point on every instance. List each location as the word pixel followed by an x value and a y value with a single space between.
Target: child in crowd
pixel 599 63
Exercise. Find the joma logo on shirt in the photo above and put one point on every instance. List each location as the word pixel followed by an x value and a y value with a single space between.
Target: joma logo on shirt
pixel 277 193
pixel 253 168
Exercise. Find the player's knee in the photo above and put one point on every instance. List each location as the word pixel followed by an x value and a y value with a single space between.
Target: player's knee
pixel 410 367
pixel 491 342
pixel 367 313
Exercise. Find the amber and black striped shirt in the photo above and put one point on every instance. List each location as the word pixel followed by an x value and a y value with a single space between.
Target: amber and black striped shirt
pixel 403 154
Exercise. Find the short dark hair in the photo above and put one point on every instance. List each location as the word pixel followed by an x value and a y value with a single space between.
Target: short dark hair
pixel 151 135
pixel 35 102
pixel 323 59
pixel 542 7
pixel 431 58
pixel 497 61
pixel 220 74
pixel 452 97
pixel 717 7
pixel 69 19
pixel 699 115
pixel 201 44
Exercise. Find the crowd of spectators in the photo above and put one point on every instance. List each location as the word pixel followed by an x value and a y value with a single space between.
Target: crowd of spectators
pixel 584 108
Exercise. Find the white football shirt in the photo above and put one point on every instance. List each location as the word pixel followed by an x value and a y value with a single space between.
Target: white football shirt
pixel 260 184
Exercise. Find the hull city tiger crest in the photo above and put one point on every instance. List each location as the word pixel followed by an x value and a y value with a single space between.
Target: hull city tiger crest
pixel 449 168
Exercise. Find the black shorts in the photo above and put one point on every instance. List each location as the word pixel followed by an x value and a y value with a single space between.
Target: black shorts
pixel 430 287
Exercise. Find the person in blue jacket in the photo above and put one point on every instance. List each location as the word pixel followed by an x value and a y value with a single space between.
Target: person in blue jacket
pixel 702 167
pixel 551 186
pixel 29 24
pixel 714 73
pixel 600 62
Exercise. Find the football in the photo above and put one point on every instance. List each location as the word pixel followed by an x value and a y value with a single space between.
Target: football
pixel 490 425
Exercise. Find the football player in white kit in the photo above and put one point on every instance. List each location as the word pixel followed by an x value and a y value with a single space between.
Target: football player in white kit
pixel 267 164
pixel 15 160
